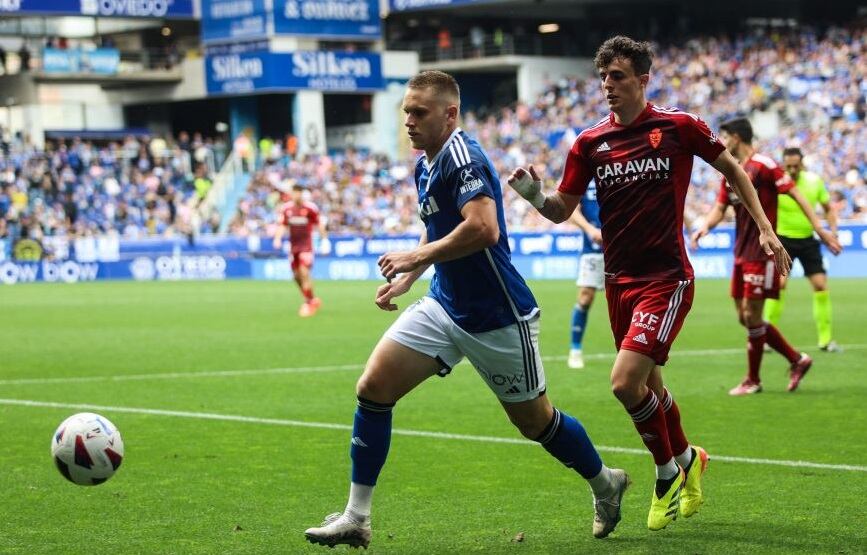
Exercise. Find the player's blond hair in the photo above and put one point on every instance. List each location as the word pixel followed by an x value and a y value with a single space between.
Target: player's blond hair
pixel 441 82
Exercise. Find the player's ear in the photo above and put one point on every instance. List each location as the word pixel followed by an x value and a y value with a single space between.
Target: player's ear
pixel 644 79
pixel 452 112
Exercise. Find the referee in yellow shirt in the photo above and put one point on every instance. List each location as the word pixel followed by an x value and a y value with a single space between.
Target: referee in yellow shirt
pixel 796 234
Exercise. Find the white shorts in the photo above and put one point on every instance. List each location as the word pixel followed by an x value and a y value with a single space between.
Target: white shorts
pixel 591 271
pixel 507 358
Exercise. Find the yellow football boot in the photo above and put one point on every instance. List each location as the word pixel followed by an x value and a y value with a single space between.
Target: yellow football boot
pixel 691 498
pixel 663 510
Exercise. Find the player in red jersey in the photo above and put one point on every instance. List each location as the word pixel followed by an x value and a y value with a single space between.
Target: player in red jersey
pixel 754 277
pixel 300 217
pixel 641 157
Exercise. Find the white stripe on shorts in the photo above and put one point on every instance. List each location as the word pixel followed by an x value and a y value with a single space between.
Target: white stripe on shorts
pixel 769 274
pixel 671 312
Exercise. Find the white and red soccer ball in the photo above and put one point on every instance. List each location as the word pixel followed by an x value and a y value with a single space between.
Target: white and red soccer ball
pixel 87 449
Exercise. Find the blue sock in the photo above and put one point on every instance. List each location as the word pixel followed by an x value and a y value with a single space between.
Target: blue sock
pixel 565 438
pixel 371 437
pixel 579 323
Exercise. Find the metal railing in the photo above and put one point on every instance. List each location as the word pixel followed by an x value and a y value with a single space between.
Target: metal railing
pixel 463 48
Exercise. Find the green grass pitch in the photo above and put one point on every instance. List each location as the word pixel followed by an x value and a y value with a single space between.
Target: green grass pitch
pixel 194 485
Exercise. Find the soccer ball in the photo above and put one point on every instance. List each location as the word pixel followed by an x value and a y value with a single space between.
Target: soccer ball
pixel 87 449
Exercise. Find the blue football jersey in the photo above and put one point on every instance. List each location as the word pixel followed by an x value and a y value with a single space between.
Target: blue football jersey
pixel 482 291
pixel 590 211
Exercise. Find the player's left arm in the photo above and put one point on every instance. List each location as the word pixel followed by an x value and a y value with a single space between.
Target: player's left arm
pixel 478 230
pixel 830 216
pixel 828 208
pixel 826 236
pixel 743 187
pixel 397 287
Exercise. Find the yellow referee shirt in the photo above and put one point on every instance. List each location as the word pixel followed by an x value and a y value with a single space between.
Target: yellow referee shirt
pixel 791 221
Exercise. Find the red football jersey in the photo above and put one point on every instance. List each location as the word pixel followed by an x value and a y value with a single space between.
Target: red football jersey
pixel 769 179
pixel 300 218
pixel 642 172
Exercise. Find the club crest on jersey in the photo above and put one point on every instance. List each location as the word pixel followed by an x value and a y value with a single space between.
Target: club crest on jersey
pixel 655 137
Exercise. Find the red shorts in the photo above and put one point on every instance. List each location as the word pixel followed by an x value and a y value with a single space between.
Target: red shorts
pixel 755 279
pixel 301 258
pixel 646 316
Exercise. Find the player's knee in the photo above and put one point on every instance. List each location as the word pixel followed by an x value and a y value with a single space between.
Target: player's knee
pixel 751 318
pixel 626 392
pixel 373 388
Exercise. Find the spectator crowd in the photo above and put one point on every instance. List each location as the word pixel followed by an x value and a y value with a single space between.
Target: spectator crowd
pixel 136 187
pixel 809 88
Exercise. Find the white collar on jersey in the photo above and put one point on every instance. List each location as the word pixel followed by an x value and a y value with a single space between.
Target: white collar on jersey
pixel 429 164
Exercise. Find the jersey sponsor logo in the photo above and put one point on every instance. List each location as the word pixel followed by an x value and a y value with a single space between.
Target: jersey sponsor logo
pixel 640 338
pixel 633 170
pixel 298 220
pixel 603 147
pixel 645 320
pixel 470 182
pixel 427 207
pixel 502 379
pixel 655 137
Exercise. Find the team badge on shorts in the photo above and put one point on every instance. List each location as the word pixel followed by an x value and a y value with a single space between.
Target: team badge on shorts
pixel 655 137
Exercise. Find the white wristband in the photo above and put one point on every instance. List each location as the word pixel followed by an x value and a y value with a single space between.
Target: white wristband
pixel 538 201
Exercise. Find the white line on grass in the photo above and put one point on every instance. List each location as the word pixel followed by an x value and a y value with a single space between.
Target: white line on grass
pixel 331 368
pixel 416 433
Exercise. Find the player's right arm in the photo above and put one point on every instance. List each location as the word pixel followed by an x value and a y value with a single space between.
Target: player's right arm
pixel 401 284
pixel 743 187
pixel 558 206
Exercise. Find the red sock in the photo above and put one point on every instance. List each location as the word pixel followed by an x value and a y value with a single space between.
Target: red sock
pixel 308 294
pixel 676 438
pixel 755 350
pixel 649 420
pixel 779 344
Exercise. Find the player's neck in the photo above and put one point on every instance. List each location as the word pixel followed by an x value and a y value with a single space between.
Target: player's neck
pixel 628 114
pixel 433 150
pixel 744 153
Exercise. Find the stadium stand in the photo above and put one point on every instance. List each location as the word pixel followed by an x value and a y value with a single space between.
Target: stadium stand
pixel 814 84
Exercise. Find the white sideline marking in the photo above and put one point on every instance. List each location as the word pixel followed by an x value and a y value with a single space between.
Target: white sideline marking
pixel 416 433
pixel 332 368
pixel 180 375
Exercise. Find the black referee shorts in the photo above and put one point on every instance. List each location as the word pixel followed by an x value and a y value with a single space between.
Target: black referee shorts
pixel 808 251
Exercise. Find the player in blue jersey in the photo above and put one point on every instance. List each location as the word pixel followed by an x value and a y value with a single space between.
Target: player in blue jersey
pixel 591 272
pixel 478 307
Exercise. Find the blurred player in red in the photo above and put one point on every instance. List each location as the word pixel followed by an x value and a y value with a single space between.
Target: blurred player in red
pixel 755 277
pixel 641 157
pixel 300 217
